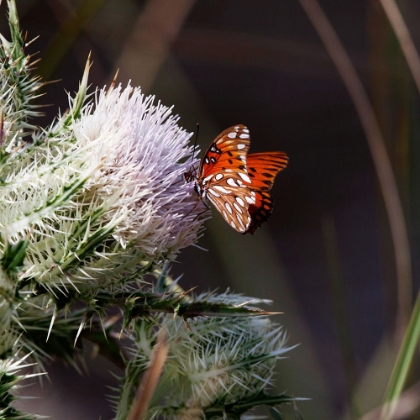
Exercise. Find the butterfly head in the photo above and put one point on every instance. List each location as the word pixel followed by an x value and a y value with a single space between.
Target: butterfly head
pixel 190 176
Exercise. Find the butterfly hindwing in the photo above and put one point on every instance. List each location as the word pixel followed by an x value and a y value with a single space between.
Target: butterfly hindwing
pixel 260 211
pixel 233 206
pixel 263 168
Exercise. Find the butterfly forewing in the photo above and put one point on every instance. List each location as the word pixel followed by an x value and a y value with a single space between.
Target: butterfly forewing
pixel 227 153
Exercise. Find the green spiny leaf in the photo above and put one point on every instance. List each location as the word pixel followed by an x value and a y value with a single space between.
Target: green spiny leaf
pixel 13 256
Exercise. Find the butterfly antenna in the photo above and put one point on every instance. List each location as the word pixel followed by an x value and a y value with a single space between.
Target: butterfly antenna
pixel 195 141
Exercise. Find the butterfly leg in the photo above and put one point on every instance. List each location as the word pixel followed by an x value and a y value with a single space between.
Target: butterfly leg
pixel 198 215
pixel 195 205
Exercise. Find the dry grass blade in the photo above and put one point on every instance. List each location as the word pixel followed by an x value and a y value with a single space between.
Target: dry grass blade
pixel 70 28
pixel 153 33
pixel 404 38
pixel 406 405
pixel 379 154
pixel 150 378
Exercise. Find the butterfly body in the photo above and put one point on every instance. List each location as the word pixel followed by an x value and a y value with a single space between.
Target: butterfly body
pixel 236 183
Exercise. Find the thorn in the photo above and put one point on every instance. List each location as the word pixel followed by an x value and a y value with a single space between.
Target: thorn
pixel 54 316
pixel 112 320
pixel 114 80
pixel 186 324
pixel 32 40
pixel 81 326
pixel 35 62
pixel 121 333
pixel 51 81
pixel 271 313
pixel 186 292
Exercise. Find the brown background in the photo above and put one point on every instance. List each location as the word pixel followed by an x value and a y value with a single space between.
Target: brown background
pixel 326 255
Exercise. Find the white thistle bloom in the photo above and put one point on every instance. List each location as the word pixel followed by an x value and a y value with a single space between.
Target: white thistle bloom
pixel 136 147
pixel 103 195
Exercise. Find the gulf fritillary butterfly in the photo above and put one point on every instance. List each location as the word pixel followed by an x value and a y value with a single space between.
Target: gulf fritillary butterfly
pixel 236 183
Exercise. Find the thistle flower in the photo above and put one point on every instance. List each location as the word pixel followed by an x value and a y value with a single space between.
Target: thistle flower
pixel 137 147
pixel 103 195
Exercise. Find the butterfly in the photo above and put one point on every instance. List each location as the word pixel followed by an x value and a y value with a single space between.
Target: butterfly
pixel 236 183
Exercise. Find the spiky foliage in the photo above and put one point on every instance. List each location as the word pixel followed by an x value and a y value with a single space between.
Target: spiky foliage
pixel 88 208
pixel 18 88
pixel 214 364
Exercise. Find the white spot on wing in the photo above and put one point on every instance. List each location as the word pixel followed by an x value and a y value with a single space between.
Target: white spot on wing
pixel 207 179
pixel 250 200
pixel 228 208
pixel 240 201
pixel 232 182
pixel 244 136
pixel 240 221
pixel 232 135
pixel 221 189
pixel 244 177
pixel 245 130
pixel 241 146
pixel 237 208
pixel 212 192
pixel 233 225
pixel 218 177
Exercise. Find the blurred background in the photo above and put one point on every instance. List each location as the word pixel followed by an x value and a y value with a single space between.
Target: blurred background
pixel 326 257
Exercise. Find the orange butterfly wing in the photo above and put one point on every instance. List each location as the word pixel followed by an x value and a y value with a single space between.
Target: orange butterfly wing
pixel 260 212
pixel 264 167
pixel 262 170
pixel 228 150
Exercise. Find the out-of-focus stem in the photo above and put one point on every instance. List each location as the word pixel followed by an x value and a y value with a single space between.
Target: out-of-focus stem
pixel 402 365
pixel 150 378
pixel 404 38
pixel 379 154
